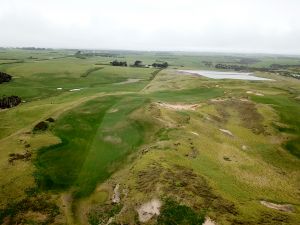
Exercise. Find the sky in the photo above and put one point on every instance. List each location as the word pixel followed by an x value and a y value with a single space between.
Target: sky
pixel 251 26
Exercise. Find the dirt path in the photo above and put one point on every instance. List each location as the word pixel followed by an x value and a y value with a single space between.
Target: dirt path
pixel 178 106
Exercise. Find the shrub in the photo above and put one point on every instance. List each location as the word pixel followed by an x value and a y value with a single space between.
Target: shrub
pixel 41 126
pixel 173 213
pixel 50 119
pixel 4 77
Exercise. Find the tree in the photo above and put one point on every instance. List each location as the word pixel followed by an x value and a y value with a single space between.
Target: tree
pixel 4 77
pixel 160 65
pixel 117 63
pixel 138 63
pixel 9 102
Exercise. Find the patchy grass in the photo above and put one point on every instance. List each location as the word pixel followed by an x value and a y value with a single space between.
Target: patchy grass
pixel 173 213
pixel 288 110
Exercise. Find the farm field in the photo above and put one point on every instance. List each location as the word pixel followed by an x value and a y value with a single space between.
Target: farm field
pixel 93 143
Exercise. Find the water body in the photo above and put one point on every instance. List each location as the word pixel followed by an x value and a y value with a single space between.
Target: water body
pixel 224 75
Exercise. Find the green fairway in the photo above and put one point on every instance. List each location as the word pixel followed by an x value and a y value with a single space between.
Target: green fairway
pixel 92 139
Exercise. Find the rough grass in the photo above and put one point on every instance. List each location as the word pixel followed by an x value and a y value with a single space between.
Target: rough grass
pixel 288 110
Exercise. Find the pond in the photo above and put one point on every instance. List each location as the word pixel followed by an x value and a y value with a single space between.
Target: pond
pixel 224 75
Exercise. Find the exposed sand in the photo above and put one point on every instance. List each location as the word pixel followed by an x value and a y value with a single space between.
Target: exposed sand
pixel 148 210
pixel 128 81
pixel 280 207
pixel 254 93
pixel 226 132
pixel 195 133
pixel 208 221
pixel 217 100
pixel 244 147
pixel 113 139
pixel 178 106
pixel 76 89
pixel 113 110
pixel 116 196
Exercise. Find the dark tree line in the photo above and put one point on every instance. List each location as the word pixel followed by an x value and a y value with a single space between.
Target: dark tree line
pixel 230 67
pixel 160 65
pixel 118 63
pixel 4 77
pixel 9 101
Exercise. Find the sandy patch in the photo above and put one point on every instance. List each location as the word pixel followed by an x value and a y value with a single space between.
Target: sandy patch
pixel 178 106
pixel 148 210
pixel 208 221
pixel 244 100
pixel 254 93
pixel 244 147
pixel 116 196
pixel 111 219
pixel 195 133
pixel 75 89
pixel 226 132
pixel 280 207
pixel 129 81
pixel 218 100
pixel 259 94
pixel 113 110
pixel 113 139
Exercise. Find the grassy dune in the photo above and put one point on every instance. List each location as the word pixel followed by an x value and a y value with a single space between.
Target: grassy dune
pixel 202 147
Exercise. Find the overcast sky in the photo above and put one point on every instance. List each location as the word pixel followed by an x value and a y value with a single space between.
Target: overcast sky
pixel 269 26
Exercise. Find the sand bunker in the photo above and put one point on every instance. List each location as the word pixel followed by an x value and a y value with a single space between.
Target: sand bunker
pixel 148 210
pixel 208 221
pixel 75 89
pixel 280 207
pixel 178 106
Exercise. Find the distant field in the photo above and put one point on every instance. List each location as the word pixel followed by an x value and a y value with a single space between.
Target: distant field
pixel 118 139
